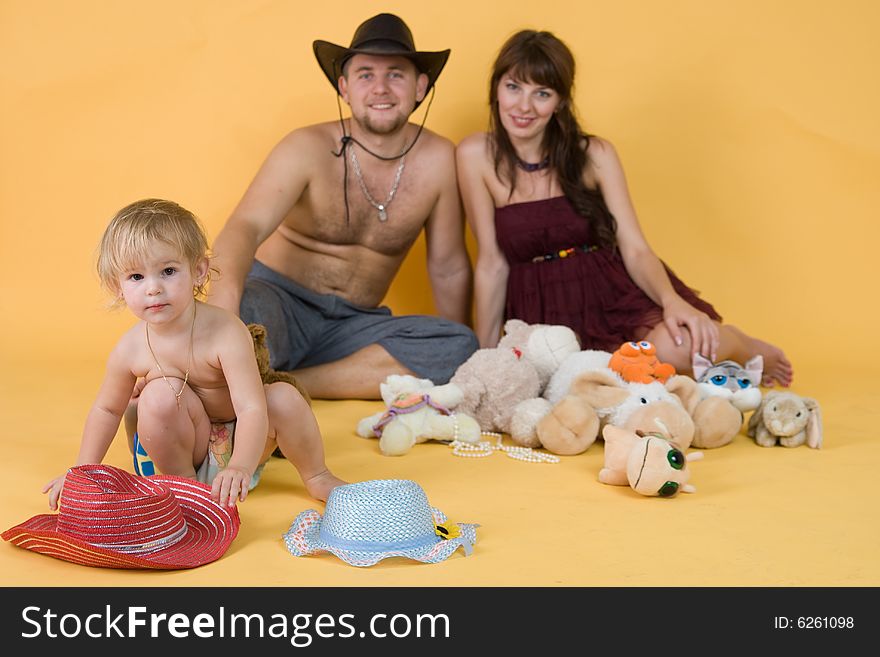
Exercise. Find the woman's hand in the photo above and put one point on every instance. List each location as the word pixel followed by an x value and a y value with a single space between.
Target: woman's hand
pixel 703 331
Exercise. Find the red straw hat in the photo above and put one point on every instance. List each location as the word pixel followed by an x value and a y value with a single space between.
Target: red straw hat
pixel 113 519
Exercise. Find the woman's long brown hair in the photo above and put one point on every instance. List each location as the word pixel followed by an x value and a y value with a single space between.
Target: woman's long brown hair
pixel 542 58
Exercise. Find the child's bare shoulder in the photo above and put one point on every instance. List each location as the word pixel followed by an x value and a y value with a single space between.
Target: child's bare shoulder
pixel 128 350
pixel 221 325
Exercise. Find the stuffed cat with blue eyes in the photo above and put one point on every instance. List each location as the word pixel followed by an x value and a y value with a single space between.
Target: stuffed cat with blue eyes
pixel 728 379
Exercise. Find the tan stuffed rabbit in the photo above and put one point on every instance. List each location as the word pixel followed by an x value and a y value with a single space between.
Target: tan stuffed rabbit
pixel 789 418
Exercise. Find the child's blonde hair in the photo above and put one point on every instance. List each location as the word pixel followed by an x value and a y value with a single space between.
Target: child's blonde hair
pixel 142 223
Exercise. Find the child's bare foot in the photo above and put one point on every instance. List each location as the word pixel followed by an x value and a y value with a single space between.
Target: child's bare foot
pixel 320 485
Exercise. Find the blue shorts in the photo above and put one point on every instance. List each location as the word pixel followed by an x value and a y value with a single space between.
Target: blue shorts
pixel 305 328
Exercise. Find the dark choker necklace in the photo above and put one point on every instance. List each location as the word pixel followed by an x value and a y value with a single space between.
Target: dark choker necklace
pixel 533 166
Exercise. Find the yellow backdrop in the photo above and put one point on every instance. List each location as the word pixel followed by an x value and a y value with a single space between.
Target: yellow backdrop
pixel 749 132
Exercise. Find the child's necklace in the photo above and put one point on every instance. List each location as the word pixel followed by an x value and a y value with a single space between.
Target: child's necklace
pixel 192 331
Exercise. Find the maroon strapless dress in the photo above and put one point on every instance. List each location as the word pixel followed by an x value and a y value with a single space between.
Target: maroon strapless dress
pixel 589 290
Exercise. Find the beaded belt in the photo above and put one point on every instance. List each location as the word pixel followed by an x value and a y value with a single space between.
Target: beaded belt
pixel 564 253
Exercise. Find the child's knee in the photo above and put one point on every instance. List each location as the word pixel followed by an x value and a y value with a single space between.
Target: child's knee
pixel 156 403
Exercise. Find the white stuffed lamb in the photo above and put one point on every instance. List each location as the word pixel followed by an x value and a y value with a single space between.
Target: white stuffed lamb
pixel 417 411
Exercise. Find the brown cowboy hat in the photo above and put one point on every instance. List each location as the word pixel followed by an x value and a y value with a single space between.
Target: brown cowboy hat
pixel 383 34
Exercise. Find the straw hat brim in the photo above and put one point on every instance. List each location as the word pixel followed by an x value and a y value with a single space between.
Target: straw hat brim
pixel 303 538
pixel 210 529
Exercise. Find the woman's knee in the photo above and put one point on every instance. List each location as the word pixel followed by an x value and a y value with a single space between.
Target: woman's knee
pixel 679 356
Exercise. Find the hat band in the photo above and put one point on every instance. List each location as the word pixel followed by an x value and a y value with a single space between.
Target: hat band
pixel 391 46
pixel 377 546
pixel 137 548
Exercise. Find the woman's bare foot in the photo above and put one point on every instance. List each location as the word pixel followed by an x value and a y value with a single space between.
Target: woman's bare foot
pixel 320 485
pixel 777 368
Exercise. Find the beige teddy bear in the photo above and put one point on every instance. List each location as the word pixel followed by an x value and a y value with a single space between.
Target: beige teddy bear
pixel 495 381
pixel 417 411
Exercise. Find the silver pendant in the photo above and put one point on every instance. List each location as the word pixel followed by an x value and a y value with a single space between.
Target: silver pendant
pixel 383 216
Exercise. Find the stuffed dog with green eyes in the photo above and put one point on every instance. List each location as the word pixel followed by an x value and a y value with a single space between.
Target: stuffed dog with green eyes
pixel 649 463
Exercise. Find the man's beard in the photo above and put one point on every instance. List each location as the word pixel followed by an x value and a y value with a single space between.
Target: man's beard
pixel 384 128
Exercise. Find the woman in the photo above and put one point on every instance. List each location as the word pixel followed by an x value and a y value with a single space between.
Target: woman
pixel 559 241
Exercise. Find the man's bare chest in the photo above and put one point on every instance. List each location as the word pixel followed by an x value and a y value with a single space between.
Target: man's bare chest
pixel 337 213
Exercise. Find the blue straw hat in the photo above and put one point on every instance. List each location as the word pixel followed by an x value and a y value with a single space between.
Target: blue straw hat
pixel 373 520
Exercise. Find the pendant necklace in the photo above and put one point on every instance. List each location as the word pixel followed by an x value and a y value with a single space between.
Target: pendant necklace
pixel 381 207
pixel 192 331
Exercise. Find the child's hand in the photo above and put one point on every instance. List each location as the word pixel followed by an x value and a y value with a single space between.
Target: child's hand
pixel 230 483
pixel 54 489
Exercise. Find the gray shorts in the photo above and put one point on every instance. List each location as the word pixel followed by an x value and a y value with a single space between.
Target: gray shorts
pixel 305 329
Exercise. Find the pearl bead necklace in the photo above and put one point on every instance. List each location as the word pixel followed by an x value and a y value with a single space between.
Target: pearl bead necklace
pixel 486 448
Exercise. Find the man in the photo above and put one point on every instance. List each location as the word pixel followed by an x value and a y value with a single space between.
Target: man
pixel 319 235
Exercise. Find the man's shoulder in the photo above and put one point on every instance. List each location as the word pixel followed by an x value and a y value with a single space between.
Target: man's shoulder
pixel 435 143
pixel 315 135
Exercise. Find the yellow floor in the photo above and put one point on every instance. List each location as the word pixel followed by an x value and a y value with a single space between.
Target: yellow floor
pixel 760 517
